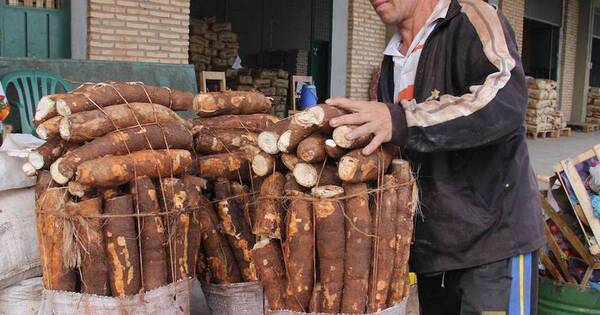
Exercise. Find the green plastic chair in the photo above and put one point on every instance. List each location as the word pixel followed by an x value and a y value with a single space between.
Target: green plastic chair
pixel 30 87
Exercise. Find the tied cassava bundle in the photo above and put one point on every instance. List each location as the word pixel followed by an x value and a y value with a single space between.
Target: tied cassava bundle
pixel 118 210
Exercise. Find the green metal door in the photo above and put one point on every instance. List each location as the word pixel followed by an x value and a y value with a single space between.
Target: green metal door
pixel 35 32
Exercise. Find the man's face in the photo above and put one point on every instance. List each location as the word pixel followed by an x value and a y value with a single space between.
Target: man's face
pixel 393 12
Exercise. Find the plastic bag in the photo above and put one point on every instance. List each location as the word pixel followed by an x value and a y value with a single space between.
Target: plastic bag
pixel 595 179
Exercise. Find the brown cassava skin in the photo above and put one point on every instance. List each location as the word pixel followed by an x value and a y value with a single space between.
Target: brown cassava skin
pixel 173 136
pixel 230 102
pixel 104 95
pixel 43 182
pixel 316 298
pixel 312 149
pixel 357 260
pixel 193 187
pixel 329 224
pixel 289 160
pixel 384 245
pixel 48 152
pixel 271 271
pixel 86 126
pixel 269 211
pixel 51 206
pixel 301 126
pixel 339 137
pixel 245 203
pixel 81 191
pixel 122 247
pixel 219 257
pixel 263 164
pixel 152 233
pixel 232 166
pixel 204 275
pixel 236 230
pixel 222 141
pixel 49 128
pixel 94 265
pixel 298 250
pixel 292 188
pixel 174 197
pixel 354 167
pixel 46 107
pixel 267 140
pixel 111 171
pixel 333 150
pixel 399 282
pixel 251 123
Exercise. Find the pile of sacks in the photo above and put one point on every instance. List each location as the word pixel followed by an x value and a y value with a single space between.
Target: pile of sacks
pixel 542 112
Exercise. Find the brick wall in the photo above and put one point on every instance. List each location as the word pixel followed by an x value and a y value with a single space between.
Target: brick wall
pixel 366 42
pixel 514 11
pixel 141 30
pixel 569 51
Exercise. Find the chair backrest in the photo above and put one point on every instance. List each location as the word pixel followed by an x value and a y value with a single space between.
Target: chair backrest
pixel 29 87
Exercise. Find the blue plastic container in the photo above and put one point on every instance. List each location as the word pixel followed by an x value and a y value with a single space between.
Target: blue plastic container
pixel 308 96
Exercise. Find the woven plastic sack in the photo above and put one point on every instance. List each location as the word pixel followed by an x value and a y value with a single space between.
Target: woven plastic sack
pixel 235 299
pixel 398 309
pixel 595 179
pixel 172 299
pixel 22 298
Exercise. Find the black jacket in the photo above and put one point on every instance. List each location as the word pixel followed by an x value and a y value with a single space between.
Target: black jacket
pixel 479 195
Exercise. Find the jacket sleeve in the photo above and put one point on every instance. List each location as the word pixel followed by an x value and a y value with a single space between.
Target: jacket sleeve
pixel 495 101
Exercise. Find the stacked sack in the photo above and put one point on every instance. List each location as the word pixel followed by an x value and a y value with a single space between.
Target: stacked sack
pixel 117 211
pixel 326 229
pixel 213 46
pixel 593 106
pixel 542 113
pixel 272 83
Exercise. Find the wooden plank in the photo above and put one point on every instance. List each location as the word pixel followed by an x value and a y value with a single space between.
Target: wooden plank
pixel 582 197
pixel 562 264
pixel 212 76
pixel 567 232
pixel 547 262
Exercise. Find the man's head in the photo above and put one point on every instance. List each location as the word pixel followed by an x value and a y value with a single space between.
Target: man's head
pixel 394 12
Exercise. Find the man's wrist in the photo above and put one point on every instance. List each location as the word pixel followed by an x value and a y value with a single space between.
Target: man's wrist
pixel 399 126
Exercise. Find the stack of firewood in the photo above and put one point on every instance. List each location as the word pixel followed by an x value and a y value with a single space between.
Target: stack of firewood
pixel 542 112
pixel 272 83
pixel 316 207
pixel 213 46
pixel 593 105
pixel 117 212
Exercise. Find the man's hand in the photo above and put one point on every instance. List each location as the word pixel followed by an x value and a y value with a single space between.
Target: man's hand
pixel 373 118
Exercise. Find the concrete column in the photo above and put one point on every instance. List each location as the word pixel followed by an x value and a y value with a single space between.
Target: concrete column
pixel 582 64
pixel 339 47
pixel 79 29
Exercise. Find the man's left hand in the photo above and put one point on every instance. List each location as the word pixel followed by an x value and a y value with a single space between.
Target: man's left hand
pixel 373 118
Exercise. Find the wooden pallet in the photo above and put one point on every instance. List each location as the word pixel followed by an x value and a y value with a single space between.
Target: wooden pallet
pixel 563 132
pixel 585 127
pixel 534 134
pixel 591 120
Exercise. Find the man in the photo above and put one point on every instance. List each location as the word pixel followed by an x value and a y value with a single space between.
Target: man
pixel 453 97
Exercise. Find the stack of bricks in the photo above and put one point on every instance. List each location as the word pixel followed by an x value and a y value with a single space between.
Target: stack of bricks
pixel 213 46
pixel 593 107
pixel 542 113
pixel 272 83
pixel 139 31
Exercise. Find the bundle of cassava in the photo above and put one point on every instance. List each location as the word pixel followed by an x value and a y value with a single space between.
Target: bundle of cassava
pixel 323 227
pixel 117 210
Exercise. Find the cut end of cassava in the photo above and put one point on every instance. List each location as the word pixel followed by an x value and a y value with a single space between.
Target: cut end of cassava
pixel 65 128
pixel 347 168
pixel 330 143
pixel 262 165
pixel 267 141
pixel 29 170
pixel 42 132
pixel 307 118
pixel 45 106
pixel 57 176
pixel 284 141
pixel 204 103
pixel 36 160
pixel 318 114
pixel 306 175
pixel 78 190
pixel 401 168
pixel 62 108
pixel 339 137
pixel 328 191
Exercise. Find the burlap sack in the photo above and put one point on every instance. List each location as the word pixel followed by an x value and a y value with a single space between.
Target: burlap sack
pixel 398 309
pixel 235 299
pixel 173 299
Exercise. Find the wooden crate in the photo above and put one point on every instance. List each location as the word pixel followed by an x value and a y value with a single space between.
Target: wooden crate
pixel 573 184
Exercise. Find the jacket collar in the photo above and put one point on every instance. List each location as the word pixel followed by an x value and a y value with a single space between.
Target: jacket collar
pixel 453 10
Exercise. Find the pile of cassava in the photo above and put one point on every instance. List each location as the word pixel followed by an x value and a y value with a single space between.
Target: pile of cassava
pixel 117 210
pixel 323 227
